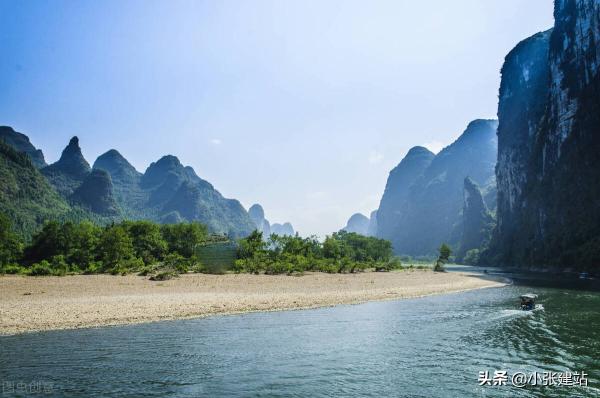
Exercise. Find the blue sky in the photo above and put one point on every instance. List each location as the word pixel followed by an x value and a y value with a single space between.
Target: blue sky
pixel 302 106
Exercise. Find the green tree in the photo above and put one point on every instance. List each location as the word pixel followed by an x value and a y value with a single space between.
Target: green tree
pixel 10 245
pixel 251 245
pixel 85 245
pixel 115 246
pixel 443 258
pixel 333 248
pixel 183 238
pixel 148 242
pixel 47 243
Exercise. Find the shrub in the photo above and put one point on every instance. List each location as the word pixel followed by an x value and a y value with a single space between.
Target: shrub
pixel 42 268
pixel 177 263
pixel 199 268
pixel 326 265
pixel 93 268
pixel 148 270
pixel 165 275
pixel 12 269
pixel 127 266
pixel 59 266
pixel 390 265
pixel 439 266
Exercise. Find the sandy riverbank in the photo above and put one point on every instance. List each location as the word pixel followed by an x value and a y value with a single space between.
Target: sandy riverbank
pixel 45 303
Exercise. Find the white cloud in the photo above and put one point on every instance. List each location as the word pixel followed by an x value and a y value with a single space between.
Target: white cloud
pixel 434 146
pixel 215 141
pixel 375 157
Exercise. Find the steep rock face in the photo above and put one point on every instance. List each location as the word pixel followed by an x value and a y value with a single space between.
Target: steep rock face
pixel 372 230
pixel 394 200
pixel 477 220
pixel 265 228
pixel 285 229
pixel 20 142
pixel 96 193
pixel 69 171
pixel 436 201
pixel 358 223
pixel 574 59
pixel 559 220
pixel 426 211
pixel 257 215
pixel 523 94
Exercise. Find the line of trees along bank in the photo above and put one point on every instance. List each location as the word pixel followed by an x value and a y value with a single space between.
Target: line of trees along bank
pixel 130 246
pixel 341 252
pixel 149 248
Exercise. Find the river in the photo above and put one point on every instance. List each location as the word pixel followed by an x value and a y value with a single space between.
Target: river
pixel 428 347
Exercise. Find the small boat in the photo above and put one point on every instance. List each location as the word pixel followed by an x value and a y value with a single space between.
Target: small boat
pixel 528 301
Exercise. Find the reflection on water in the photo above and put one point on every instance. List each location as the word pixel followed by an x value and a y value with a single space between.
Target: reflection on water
pixel 428 347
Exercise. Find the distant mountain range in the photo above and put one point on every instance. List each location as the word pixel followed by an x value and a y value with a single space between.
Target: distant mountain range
pixel 544 190
pixel 425 199
pixel 361 224
pixel 110 190
pixel 257 215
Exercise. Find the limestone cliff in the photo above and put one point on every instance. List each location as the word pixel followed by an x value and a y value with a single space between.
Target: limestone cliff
pixel 423 199
pixel 549 139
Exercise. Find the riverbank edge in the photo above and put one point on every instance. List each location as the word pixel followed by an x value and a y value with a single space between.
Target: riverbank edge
pixel 494 282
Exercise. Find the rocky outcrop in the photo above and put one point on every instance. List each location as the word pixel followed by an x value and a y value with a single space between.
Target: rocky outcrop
pixel 282 229
pixel 477 223
pixel 394 202
pixel 121 171
pixel 71 161
pixel 96 193
pixel 372 230
pixel 423 200
pixel 549 212
pixel 20 142
pixel 257 215
pixel 69 171
pixel 523 94
pixel 358 223
pixel 162 170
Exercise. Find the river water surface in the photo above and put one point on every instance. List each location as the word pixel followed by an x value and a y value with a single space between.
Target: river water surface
pixel 427 347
